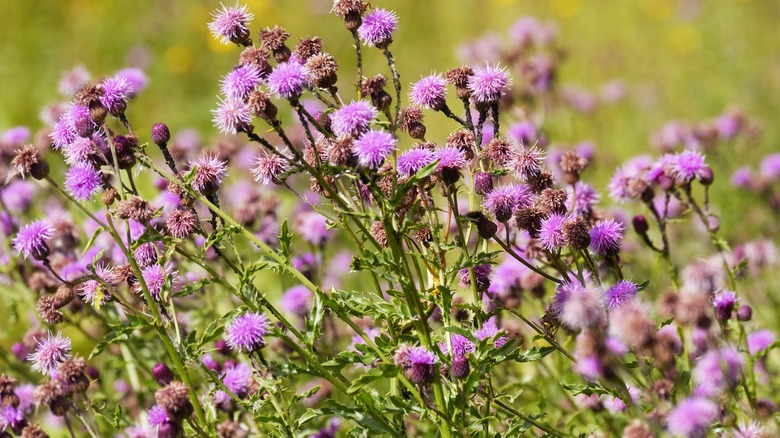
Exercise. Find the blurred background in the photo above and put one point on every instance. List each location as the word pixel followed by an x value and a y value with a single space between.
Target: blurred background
pixel 686 60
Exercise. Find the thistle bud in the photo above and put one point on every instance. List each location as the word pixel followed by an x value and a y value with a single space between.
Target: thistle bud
pixel 640 224
pixel 28 161
pixel 162 374
pixel 460 367
pixel 745 313
pixel 160 134
pixel 483 183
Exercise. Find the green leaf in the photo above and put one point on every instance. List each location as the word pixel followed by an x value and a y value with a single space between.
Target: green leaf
pixel 371 376
pixel 285 240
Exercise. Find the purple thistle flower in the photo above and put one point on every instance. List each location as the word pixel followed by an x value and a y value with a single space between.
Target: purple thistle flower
pixel 742 177
pixel 352 119
pixel 378 27
pixel 115 94
pixel 157 415
pixel 461 345
pixel 63 133
pixel 429 92
pixel 232 116
pixel 91 290
pixel 770 167
pixel 759 341
pixel 245 333
pixel 83 181
pixel 576 306
pixel 481 276
pixel 156 276
pixel 419 365
pixel 297 300
pixel 619 294
pixel 686 166
pixel 450 157
pixel 585 198
pixel 240 82
pixel 288 79
pixel 724 302
pixel 78 151
pixel 10 419
pixel 15 136
pixel 413 160
pixel 551 235
pixel 489 83
pixel 237 379
pixel 502 201
pixel 313 227
pixel 49 353
pixel 18 195
pixel 692 417
pixel 74 80
pixel 210 171
pixel 146 253
pixel 373 147
pixel 717 370
pixel 489 330
pixel 606 237
pixel 524 133
pixel 31 239
pixel 136 79
pixel 527 163
pixel 231 24
pixel 268 167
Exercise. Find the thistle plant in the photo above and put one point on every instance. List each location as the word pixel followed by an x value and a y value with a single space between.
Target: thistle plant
pixel 330 267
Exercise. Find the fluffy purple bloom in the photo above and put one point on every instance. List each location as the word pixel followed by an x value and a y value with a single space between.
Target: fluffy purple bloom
pixel 692 417
pixel 450 157
pixel 742 177
pixel 585 198
pixel 619 294
pixel 461 345
pixel 288 79
pixel 78 151
pixel 313 227
pixel 297 300
pixel 136 79
pixel 83 181
pixel 551 235
pixel 155 277
pixel 524 133
pixel 49 353
pixel 420 365
pixel 115 94
pixel 245 333
pixel 231 24
pixel 31 239
pixel 240 82
pixel 717 370
pixel 413 160
pixel 576 307
pixel 429 92
pixel 18 195
pixel 157 415
pixel 686 166
pixel 489 83
pixel 373 147
pixel 502 201
pixel 237 379
pixel 489 330
pixel 481 276
pixel 589 367
pixel 724 302
pixel 92 292
pixel 232 116
pixel 63 133
pixel 606 237
pixel 10 418
pixel 268 167
pixel 210 171
pixel 352 119
pixel 74 80
pixel 15 136
pixel 759 341
pixel 770 167
pixel 146 253
pixel 378 27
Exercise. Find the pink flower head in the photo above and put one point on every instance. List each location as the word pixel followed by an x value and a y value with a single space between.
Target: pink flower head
pixel 413 160
pixel 622 292
pixel 352 119
pixel 83 181
pixel 210 171
pixel 115 94
pixel 288 79
pixel 429 92
pixel 606 237
pixel 551 235
pixel 240 82
pixel 268 167
pixel 378 27
pixel 49 353
pixel 489 83
pixel 231 24
pixel 692 417
pixel 232 116
pixel 373 147
pixel 245 332
pixel 31 239
pixel 503 201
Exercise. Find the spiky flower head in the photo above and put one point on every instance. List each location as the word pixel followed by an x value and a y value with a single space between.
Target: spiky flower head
pixel 686 166
pixel 240 82
pixel 181 223
pixel 606 237
pixel 245 332
pixel 551 232
pixel 352 119
pixel 210 171
pixel 373 147
pixel 502 201
pixel 449 157
pixel 288 79
pixel 31 239
pixel 231 24
pixel 481 276
pixel 49 353
pixel 297 300
pixel 490 330
pixel 116 91
pixel 429 92
pixel 489 83
pixel 268 168
pixel 620 293
pixel 759 341
pixel 156 277
pixel 378 28
pixel 232 116
pixel 420 370
pixel 692 417
pixel 724 301
pixel 83 181
pixel 237 379
pixel 527 163
pixel 576 306
pixel 413 160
